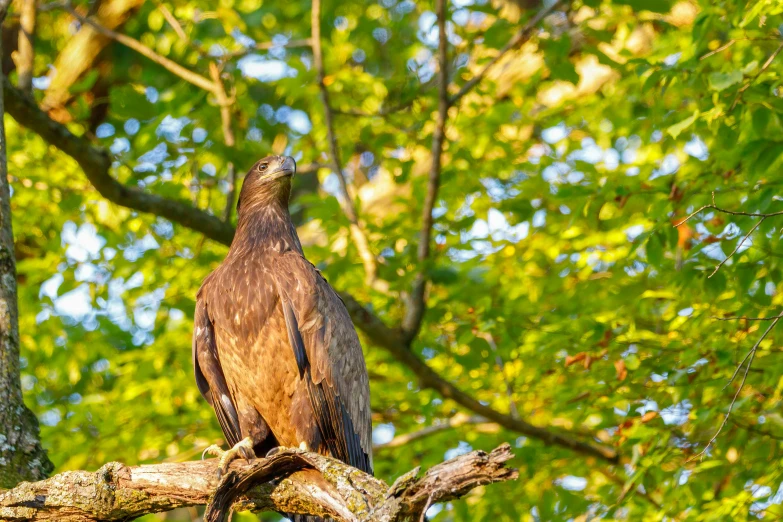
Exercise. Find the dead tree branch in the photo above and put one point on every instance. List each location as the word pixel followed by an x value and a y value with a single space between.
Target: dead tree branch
pixel 291 481
pixel 96 165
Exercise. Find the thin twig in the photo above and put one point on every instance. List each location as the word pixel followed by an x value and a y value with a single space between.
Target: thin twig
pixel 171 66
pixel 739 244
pixel 743 318
pixel 225 102
pixel 726 211
pixel 755 77
pixel 749 358
pixel 265 46
pixel 735 40
pixel 417 301
pixel 713 206
pixel 719 49
pixel 522 36
pixel 454 422
pixel 174 23
pixel 357 232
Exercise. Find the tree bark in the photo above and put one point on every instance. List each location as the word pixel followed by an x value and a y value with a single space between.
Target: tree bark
pixel 291 481
pixel 25 56
pixel 21 454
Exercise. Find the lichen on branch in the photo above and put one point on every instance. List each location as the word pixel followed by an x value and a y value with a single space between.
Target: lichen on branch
pixel 291 481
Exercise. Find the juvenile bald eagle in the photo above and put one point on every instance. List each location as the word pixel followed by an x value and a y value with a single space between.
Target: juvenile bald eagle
pixel 274 349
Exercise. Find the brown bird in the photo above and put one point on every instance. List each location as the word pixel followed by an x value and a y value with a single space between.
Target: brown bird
pixel 274 349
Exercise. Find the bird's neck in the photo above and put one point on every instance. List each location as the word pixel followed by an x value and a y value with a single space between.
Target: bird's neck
pixel 265 227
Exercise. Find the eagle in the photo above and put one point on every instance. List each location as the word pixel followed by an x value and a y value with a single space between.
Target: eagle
pixel 274 350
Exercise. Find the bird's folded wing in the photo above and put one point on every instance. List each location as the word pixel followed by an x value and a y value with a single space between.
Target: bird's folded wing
pixel 329 358
pixel 209 374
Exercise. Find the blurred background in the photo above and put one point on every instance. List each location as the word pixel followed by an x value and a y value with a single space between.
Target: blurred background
pixel 560 292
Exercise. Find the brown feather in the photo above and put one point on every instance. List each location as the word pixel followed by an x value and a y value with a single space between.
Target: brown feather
pixel 279 343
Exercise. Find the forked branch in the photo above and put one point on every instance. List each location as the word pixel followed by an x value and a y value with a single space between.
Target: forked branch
pixel 292 481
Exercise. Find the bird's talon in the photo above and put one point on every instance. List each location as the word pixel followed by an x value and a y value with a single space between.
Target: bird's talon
pixel 241 449
pixel 214 449
pixel 273 451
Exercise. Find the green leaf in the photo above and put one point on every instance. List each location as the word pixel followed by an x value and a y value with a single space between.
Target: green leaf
pixel 676 129
pixel 720 81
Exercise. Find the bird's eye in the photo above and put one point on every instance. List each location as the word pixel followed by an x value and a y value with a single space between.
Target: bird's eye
pixel 263 167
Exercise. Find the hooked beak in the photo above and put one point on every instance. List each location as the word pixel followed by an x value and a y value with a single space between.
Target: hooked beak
pixel 287 167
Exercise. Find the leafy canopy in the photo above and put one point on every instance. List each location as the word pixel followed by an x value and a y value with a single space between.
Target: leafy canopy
pixel 560 287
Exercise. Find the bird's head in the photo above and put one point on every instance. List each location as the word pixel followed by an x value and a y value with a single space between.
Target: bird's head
pixel 269 180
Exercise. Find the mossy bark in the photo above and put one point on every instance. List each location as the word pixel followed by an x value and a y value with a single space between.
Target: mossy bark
pixel 291 481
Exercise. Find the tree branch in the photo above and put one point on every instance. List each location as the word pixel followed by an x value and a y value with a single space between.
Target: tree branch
pixel 414 313
pixel 522 36
pixel 170 65
pixel 291 481
pixel 357 231
pixel 96 163
pixel 225 103
pixel 25 58
pixel 455 422
pixel 394 342
pixel 81 51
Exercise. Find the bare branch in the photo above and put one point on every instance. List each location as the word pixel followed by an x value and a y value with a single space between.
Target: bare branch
pixel 95 163
pixel 170 65
pixel 749 359
pixel 726 211
pixel 357 231
pixel 739 244
pixel 25 58
pixel 291 481
pixel 414 314
pixel 522 36
pixel 713 206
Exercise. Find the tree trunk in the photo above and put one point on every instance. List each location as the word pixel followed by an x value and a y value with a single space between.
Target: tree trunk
pixel 21 454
